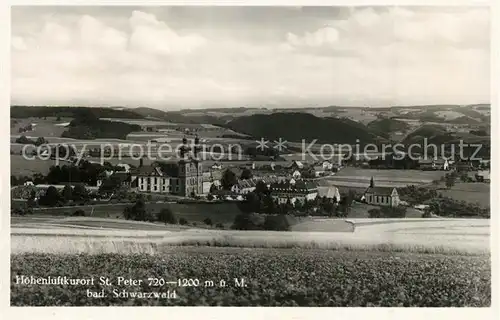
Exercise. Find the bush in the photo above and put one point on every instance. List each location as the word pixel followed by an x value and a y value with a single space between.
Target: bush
pixel 79 213
pixel 248 221
pixel 276 223
pixel 208 221
pixel 183 221
pixel 374 213
pixel 388 212
pixel 219 226
pixel 167 216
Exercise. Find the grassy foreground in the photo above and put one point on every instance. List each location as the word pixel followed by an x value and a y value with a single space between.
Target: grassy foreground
pixel 273 277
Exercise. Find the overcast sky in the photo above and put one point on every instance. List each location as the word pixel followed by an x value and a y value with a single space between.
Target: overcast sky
pixel 193 57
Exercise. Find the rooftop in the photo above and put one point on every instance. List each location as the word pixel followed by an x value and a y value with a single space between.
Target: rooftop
pixel 380 191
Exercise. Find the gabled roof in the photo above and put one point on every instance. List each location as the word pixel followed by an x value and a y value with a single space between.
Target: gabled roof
pixel 246 183
pixel 380 191
pixel 298 186
pixel 298 164
pixel 148 171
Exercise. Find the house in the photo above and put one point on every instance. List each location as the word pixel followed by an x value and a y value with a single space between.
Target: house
pixel 297 165
pixel 483 176
pixel 327 165
pixel 296 174
pixel 216 166
pixel 124 179
pixel 211 178
pixel 293 191
pixel 125 166
pixel 442 164
pixel 244 186
pixel 484 163
pixel 381 196
pixel 151 179
pixel 434 164
pixel 330 192
pixel 181 177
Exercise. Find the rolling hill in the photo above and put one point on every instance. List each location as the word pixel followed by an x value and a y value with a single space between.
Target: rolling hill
pixel 299 126
pixel 178 116
pixel 70 112
pixel 384 127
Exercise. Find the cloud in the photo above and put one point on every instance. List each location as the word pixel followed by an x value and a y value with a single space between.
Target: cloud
pixel 153 36
pixel 321 37
pixel 367 56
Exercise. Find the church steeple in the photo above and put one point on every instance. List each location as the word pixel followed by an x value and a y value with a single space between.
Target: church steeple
pixel 184 148
pixel 372 184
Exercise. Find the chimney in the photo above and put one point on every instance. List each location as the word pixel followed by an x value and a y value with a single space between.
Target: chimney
pixel 141 162
pixel 372 184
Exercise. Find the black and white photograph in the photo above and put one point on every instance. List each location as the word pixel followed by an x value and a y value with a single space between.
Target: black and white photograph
pixel 250 156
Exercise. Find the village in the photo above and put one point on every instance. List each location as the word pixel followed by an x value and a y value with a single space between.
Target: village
pixel 292 183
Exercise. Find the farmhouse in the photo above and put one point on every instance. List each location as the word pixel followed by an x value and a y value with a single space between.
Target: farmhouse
pixel 292 190
pixel 381 196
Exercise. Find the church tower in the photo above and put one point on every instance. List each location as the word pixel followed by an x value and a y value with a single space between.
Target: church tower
pixel 190 169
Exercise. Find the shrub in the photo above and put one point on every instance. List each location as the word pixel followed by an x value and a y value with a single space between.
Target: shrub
pixel 248 221
pixel 79 213
pixel 276 223
pixel 167 216
pixel 208 221
pixel 374 213
pixel 388 212
pixel 219 226
pixel 183 221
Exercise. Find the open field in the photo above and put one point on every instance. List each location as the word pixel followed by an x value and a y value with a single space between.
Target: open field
pixel 351 177
pixel 469 236
pixel 336 262
pixel 272 277
pixel 390 174
pixel 47 128
pixel 20 166
pixel 218 212
pixel 470 192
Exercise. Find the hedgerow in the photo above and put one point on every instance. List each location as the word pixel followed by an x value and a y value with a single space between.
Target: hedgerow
pixel 274 277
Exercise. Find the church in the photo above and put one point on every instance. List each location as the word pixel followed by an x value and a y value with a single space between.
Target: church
pixel 183 177
pixel 381 196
